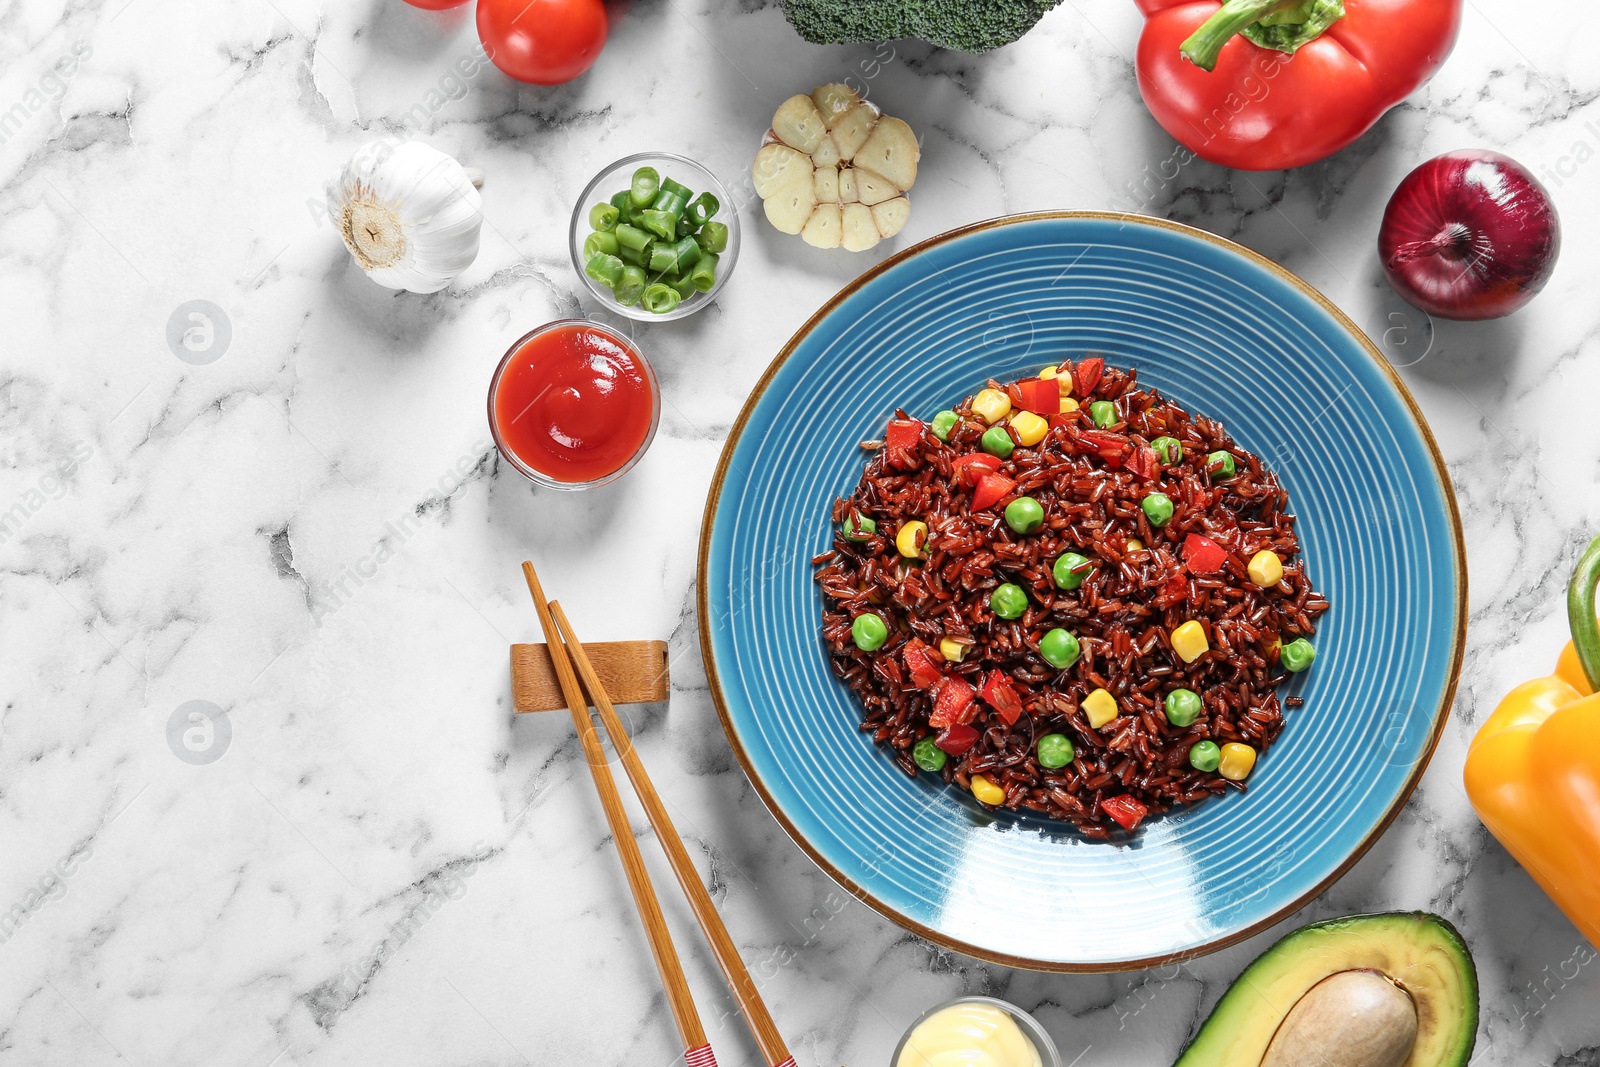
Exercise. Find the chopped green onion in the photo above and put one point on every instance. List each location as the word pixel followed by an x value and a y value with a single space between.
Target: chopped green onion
pixel 599 241
pixel 632 286
pixel 685 286
pixel 671 201
pixel 664 224
pixel 713 237
pixel 661 299
pixel 704 275
pixel 607 270
pixel 703 208
pixel 603 217
pixel 646 186
pixel 622 203
pixel 670 186
pixel 632 237
pixel 634 257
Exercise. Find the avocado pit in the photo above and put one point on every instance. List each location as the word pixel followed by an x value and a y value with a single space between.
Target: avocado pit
pixel 1355 1018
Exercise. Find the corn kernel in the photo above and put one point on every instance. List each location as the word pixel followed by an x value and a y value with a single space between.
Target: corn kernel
pixel 1100 707
pixel 1030 428
pixel 991 405
pixel 987 791
pixel 952 650
pixel 912 536
pixel 1134 545
pixel 1237 761
pixel 1048 373
pixel 1266 569
pixel 1189 641
pixel 1068 404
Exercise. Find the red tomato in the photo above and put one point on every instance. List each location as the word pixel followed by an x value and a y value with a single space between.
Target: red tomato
pixel 1002 696
pixel 1203 555
pixel 545 42
pixel 435 5
pixel 1125 810
pixel 992 488
pixel 952 706
pixel 970 467
pixel 957 739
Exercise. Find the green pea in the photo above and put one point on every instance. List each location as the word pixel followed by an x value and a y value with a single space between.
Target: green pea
pixel 929 756
pixel 997 442
pixel 1024 515
pixel 1205 756
pixel 1008 601
pixel 1055 751
pixel 1170 449
pixel 1157 508
pixel 1104 414
pixel 1297 655
pixel 1059 648
pixel 1070 570
pixel 943 423
pixel 1221 464
pixel 857 532
pixel 869 632
pixel 1183 707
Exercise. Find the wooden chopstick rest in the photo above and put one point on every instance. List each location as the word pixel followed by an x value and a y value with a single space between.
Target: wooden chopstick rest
pixel 633 672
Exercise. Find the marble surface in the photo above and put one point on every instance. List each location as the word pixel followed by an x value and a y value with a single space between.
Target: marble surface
pixel 311 533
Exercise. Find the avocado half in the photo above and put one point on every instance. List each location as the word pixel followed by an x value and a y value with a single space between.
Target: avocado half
pixel 1421 953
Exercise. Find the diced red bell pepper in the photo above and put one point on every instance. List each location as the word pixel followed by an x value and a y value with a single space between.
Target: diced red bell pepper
pixel 1002 696
pixel 992 488
pixel 970 467
pixel 1125 810
pixel 1042 396
pixel 901 442
pixel 1176 589
pixel 1203 555
pixel 1086 375
pixel 923 664
pixel 957 739
pixel 953 704
pixel 1144 462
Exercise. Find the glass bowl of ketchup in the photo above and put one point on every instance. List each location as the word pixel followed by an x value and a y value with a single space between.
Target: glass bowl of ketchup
pixel 573 405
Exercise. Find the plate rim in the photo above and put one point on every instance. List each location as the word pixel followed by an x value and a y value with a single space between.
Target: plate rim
pixel 1441 715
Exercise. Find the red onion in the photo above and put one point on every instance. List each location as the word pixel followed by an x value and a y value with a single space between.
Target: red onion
pixel 1469 235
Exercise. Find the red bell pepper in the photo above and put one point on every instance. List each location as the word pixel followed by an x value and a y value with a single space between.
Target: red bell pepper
pixel 901 442
pixel 1272 84
pixel 1002 696
pixel 1203 555
pixel 922 663
pixel 1042 396
pixel 1086 375
pixel 952 705
pixel 992 488
pixel 957 739
pixel 1127 811
pixel 1144 462
pixel 969 468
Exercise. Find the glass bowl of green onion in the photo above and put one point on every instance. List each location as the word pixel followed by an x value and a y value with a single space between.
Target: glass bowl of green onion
pixel 655 236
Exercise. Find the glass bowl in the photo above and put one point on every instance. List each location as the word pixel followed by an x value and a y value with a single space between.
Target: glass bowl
pixel 619 176
pixel 539 477
pixel 1048 1056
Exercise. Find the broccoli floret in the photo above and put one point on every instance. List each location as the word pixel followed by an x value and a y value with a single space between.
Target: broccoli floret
pixel 967 25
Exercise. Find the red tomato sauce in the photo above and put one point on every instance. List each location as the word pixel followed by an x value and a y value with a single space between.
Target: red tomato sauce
pixel 573 403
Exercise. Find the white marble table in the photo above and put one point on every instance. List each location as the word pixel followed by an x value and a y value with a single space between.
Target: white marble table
pixel 311 533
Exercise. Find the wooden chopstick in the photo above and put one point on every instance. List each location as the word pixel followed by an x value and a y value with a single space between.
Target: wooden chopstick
pixel 733 968
pixel 697 1053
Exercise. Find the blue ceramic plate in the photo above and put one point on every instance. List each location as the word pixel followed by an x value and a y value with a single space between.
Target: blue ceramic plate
pixel 1222 331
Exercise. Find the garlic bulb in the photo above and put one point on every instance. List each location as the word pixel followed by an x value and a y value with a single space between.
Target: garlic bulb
pixel 409 214
pixel 834 170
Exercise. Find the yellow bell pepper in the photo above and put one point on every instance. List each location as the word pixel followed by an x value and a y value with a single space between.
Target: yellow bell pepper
pixel 1533 771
